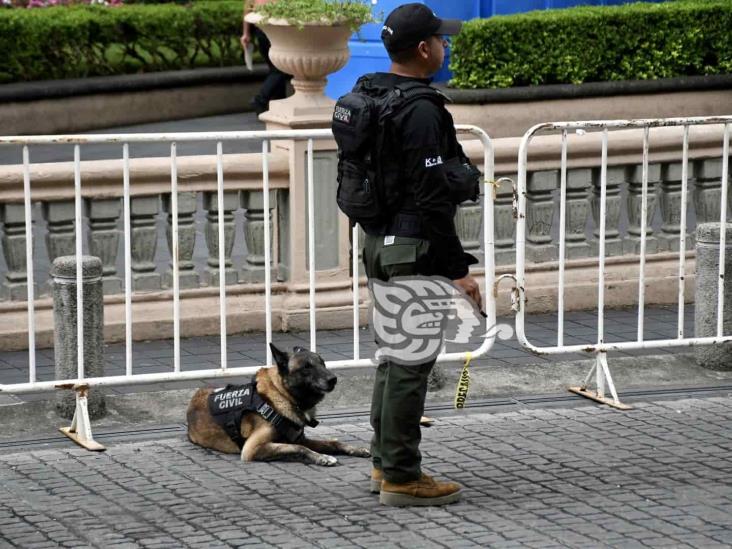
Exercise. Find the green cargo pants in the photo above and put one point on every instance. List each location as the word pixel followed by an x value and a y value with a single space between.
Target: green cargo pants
pixel 399 391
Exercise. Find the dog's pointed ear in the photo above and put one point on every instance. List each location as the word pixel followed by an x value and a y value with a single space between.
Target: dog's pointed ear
pixel 282 359
pixel 299 349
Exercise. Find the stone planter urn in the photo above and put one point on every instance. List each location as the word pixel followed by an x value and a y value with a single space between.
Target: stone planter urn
pixel 309 54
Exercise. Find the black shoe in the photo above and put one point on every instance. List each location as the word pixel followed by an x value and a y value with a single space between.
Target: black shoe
pixel 257 106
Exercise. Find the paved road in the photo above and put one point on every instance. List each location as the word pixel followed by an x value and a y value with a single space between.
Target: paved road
pixel 587 476
pixel 10 154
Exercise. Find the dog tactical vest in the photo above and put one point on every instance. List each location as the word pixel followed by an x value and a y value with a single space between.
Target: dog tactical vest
pixel 229 404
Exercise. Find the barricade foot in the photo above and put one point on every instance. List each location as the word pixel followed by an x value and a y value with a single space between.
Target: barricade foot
pixel 603 400
pixel 602 376
pixel 80 429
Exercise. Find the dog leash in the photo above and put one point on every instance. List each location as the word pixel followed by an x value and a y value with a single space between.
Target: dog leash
pixel 461 391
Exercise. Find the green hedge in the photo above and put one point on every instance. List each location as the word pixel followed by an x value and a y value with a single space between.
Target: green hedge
pixel 589 44
pixel 79 41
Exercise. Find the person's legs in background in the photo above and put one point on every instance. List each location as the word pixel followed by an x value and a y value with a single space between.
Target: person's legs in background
pixel 275 85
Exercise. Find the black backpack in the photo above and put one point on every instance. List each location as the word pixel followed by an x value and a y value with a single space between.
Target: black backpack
pixel 369 190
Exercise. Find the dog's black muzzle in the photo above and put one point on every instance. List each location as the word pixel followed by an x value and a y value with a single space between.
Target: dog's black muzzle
pixel 331 383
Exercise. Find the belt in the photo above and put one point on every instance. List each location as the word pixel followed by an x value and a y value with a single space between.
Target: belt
pixel 405 224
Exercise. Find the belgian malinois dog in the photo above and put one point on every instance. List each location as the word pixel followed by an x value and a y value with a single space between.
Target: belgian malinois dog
pixel 291 389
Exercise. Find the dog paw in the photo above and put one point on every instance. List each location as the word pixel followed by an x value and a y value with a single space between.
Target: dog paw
pixel 359 452
pixel 326 461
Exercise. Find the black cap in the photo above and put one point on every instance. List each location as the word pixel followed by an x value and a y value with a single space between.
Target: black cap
pixel 409 24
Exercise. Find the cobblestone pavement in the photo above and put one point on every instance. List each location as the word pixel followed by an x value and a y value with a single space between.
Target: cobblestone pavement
pixel 657 476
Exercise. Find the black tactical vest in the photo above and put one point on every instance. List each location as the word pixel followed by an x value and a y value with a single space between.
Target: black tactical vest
pixel 371 190
pixel 229 404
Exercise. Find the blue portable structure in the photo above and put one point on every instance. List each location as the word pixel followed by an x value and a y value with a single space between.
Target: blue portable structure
pixel 368 53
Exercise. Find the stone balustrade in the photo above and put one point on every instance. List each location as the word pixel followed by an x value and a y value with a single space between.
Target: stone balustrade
pixel 150 219
pixel 244 218
pixel 623 210
pixel 151 241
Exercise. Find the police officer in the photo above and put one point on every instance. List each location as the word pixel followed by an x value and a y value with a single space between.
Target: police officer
pixel 420 240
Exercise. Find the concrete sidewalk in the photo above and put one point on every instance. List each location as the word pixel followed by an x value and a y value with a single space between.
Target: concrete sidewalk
pixel 507 372
pixel 507 369
pixel 584 476
pixel 248 349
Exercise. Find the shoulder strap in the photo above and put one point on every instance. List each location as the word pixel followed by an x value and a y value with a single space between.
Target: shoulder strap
pixel 408 92
pixel 415 90
pixel 289 430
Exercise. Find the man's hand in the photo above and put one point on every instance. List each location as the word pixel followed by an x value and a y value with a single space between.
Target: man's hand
pixel 470 286
pixel 245 39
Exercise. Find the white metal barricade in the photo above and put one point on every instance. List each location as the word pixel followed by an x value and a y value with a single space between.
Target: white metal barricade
pixel 599 347
pixel 80 429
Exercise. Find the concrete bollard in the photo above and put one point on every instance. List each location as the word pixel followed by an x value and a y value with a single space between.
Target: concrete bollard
pixel 64 337
pixel 714 357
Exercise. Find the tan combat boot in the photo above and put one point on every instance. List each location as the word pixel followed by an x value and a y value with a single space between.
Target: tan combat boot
pixel 377 476
pixel 422 492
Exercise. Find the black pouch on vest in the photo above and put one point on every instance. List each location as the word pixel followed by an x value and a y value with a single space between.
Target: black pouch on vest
pixel 354 120
pixel 354 125
pixel 356 196
pixel 463 179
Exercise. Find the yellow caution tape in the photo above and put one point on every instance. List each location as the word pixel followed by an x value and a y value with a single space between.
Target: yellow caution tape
pixel 461 391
